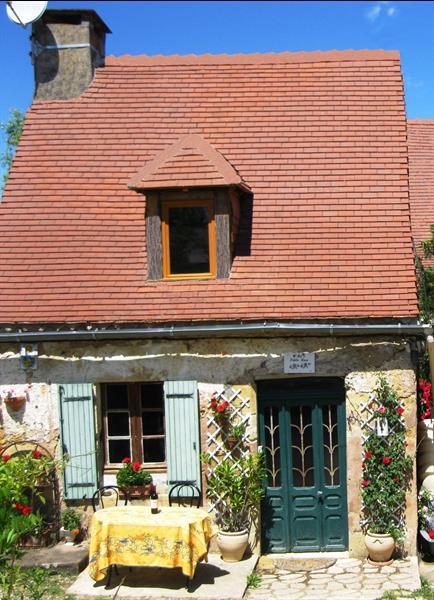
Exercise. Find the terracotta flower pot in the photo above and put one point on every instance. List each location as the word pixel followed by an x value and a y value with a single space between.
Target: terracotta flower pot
pixel 232 544
pixel 380 547
pixel 139 491
pixel 231 441
pixel 15 403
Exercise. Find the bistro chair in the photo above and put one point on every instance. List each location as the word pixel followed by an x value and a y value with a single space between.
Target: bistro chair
pixel 108 495
pixel 184 493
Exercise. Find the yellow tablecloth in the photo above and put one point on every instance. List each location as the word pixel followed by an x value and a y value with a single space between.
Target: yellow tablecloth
pixel 132 536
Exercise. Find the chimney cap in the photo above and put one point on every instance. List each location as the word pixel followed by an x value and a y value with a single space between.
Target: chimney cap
pixel 74 16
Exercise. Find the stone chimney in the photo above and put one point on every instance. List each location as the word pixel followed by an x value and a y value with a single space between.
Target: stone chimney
pixel 67 47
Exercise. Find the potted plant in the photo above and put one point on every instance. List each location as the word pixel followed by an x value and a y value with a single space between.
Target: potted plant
pixel 14 399
pixel 386 474
pixel 235 434
pixel 134 478
pixel 426 522
pixel 236 488
pixel 71 524
pixel 220 409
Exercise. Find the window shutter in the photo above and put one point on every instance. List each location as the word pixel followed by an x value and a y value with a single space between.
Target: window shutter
pixel 77 426
pixel 182 431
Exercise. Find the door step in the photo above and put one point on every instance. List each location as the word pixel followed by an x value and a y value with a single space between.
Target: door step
pixel 299 562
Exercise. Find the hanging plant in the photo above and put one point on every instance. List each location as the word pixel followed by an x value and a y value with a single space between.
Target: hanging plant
pixel 221 409
pixel 14 399
pixel 386 468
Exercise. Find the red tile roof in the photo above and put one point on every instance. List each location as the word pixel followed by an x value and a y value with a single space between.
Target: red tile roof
pixel 320 138
pixel 190 162
pixel 421 171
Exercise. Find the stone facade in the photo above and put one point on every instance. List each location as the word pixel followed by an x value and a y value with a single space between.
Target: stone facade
pixel 214 364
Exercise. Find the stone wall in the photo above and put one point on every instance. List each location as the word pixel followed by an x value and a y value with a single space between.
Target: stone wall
pixel 216 363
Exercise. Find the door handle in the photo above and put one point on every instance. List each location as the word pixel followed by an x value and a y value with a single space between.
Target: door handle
pixel 320 495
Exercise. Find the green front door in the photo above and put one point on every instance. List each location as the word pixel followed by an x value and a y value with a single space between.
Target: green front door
pixel 302 431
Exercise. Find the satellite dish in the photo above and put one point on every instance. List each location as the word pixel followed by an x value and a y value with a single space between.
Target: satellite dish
pixel 24 12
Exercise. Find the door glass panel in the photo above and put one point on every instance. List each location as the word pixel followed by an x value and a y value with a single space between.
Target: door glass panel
pixel 117 396
pixel 118 423
pixel 302 447
pixel 151 396
pixel 272 446
pixel 118 450
pixel 153 450
pixel 330 444
pixel 152 423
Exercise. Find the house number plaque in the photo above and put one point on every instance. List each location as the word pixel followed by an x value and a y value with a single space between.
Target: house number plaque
pixel 299 362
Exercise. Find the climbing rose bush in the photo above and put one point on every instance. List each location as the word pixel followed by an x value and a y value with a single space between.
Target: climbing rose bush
pixel 386 468
pixel 424 394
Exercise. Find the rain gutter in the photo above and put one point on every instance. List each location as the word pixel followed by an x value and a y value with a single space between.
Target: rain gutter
pixel 218 330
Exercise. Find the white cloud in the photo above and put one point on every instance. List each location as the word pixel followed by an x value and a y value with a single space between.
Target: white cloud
pixel 373 13
pixel 380 8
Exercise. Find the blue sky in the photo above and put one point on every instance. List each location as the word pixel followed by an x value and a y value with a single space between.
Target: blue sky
pixel 219 26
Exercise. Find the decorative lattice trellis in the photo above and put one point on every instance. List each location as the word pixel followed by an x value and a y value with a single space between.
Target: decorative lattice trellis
pixel 217 430
pixel 369 425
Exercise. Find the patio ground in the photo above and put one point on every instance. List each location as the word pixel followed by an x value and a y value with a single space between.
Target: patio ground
pixel 215 580
pixel 302 577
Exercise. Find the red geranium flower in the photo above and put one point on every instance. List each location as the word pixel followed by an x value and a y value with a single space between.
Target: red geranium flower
pixel 135 466
pixel 36 454
pixel 127 459
pixel 399 410
pixel 6 457
pixel 365 483
pixel 368 454
pixel 221 408
pixel 431 534
pixel 26 510
pixel 213 404
pixel 386 460
pixel 19 506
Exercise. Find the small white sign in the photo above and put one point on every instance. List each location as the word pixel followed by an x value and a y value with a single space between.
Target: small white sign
pixel 299 362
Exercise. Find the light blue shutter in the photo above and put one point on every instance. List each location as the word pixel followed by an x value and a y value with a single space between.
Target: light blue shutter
pixel 77 426
pixel 182 431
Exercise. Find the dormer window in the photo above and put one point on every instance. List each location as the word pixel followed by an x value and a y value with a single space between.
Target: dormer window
pixel 192 195
pixel 188 239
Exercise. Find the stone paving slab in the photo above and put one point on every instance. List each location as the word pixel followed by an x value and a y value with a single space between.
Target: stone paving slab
pixel 60 557
pixel 345 579
pixel 215 580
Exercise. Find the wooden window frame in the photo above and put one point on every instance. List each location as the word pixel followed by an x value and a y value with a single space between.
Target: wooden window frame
pixel 135 421
pixel 165 238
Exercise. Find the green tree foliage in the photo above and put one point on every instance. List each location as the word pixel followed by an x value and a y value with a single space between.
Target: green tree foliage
pixel 426 279
pixel 12 130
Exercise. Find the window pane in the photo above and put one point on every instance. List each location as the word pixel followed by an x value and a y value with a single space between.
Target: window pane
pixel 302 448
pixel 118 423
pixel 331 446
pixel 189 243
pixel 272 446
pixel 118 449
pixel 153 451
pixel 152 396
pixel 152 423
pixel 117 396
